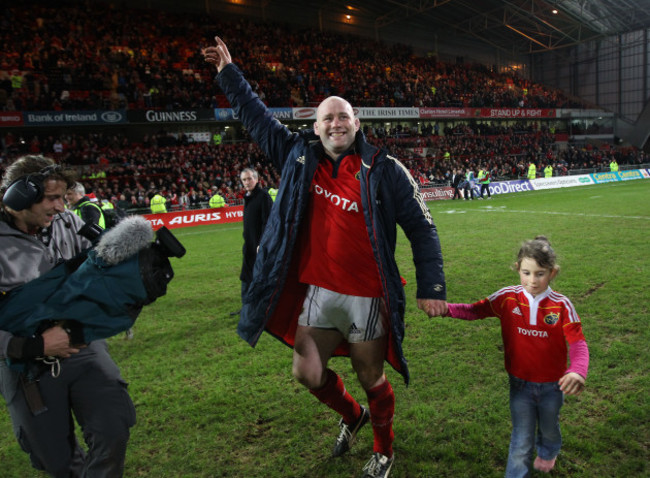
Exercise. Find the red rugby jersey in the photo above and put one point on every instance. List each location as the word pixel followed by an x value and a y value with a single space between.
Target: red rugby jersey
pixel 535 331
pixel 336 252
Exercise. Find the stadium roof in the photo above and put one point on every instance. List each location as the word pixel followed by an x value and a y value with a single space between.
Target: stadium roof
pixel 518 26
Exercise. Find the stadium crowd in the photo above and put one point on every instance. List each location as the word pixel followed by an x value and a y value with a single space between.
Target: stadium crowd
pixel 96 56
pixel 127 173
pixel 75 56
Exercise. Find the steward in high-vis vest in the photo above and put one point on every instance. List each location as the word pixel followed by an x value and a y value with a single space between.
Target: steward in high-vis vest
pixel 273 192
pixel 82 206
pixel 157 204
pixel 532 171
pixel 217 200
pixel 548 171
pixel 16 80
pixel 484 181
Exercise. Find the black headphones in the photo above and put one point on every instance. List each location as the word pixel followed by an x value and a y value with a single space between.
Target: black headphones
pixel 27 190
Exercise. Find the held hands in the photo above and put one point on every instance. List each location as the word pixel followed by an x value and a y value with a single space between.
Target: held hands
pixel 217 55
pixel 433 307
pixel 572 383
pixel 56 343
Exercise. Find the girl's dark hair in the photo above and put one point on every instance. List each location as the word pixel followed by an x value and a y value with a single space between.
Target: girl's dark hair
pixel 540 250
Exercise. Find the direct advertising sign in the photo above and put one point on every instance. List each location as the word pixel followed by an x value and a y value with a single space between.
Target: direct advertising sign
pixel 505 187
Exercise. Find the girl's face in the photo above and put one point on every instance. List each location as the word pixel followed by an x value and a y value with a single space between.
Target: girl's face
pixel 533 277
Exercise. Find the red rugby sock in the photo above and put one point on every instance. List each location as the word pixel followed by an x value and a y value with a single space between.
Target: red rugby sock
pixel 334 395
pixel 381 400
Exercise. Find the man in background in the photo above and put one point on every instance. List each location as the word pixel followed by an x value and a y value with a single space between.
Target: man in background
pixel 82 206
pixel 456 180
pixel 257 207
pixel 468 185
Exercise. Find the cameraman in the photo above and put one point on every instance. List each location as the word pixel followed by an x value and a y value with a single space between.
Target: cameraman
pixel 37 233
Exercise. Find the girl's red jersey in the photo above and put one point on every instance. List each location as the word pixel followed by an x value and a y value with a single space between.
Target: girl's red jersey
pixel 535 331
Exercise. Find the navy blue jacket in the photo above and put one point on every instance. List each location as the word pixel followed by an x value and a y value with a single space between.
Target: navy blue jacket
pixel 389 196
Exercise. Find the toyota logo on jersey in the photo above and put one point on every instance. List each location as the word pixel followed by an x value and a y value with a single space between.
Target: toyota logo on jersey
pixel 338 201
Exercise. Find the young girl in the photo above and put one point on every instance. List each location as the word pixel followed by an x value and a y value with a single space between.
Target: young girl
pixel 536 324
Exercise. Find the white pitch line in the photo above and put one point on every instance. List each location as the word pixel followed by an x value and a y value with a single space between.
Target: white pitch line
pixel 555 213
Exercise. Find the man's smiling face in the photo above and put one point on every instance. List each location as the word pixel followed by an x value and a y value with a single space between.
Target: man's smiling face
pixel 336 125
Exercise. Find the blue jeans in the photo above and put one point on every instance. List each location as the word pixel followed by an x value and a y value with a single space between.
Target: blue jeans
pixel 535 413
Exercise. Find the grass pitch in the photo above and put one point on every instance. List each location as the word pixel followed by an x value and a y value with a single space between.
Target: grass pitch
pixel 210 406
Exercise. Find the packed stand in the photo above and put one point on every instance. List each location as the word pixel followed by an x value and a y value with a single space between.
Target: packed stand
pixel 128 173
pixel 97 56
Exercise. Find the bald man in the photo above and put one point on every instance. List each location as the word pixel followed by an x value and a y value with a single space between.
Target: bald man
pixel 325 280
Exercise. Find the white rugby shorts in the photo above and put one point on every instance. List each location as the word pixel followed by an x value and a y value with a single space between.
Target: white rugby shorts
pixel 359 319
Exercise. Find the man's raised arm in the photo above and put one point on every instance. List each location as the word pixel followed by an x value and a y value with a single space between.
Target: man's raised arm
pixel 217 55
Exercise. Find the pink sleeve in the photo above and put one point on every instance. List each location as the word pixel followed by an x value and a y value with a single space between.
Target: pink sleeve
pixel 579 357
pixel 463 311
